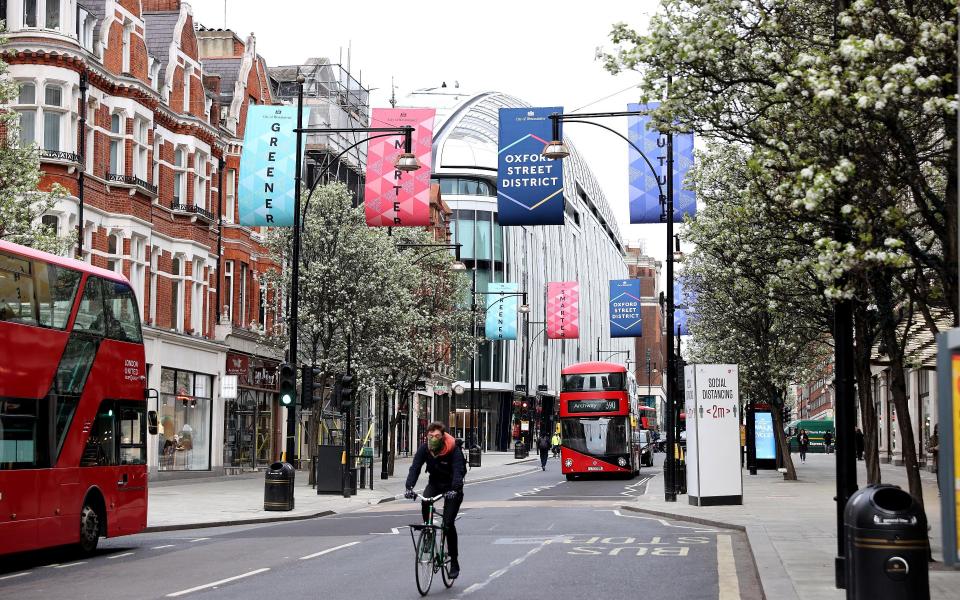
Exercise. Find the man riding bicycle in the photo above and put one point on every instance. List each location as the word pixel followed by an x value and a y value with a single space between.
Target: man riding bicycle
pixel 447 468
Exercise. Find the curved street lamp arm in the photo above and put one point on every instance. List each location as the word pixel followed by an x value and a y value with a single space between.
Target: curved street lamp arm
pixel 656 177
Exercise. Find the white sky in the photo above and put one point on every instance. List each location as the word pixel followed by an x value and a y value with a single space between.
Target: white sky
pixel 542 52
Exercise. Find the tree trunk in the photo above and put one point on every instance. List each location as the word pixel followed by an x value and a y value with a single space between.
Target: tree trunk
pixel 782 446
pixel 862 347
pixel 883 292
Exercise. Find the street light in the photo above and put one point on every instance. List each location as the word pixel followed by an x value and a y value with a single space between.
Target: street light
pixel 456 265
pixel 557 149
pixel 405 162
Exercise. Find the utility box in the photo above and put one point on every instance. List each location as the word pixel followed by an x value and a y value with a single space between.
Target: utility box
pixel 712 404
pixel 329 466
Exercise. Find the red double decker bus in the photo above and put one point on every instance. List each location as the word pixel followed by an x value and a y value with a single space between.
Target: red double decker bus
pixel 73 411
pixel 597 420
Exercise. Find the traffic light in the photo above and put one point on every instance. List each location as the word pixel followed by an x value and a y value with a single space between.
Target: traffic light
pixel 308 389
pixel 345 393
pixel 288 385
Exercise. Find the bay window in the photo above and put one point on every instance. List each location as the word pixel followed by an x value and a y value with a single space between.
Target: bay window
pixel 53 116
pixel 42 13
pixel 140 129
pixel 116 144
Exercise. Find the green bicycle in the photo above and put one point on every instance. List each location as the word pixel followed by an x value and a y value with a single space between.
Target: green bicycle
pixel 430 548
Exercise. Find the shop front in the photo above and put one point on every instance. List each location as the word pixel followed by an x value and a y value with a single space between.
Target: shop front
pixel 251 420
pixel 185 408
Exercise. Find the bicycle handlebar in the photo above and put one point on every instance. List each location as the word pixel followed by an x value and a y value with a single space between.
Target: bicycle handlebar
pixel 423 498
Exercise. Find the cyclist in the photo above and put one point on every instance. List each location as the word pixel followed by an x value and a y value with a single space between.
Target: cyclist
pixel 447 468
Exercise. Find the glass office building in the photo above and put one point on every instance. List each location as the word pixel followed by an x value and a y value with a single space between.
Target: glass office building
pixel 588 249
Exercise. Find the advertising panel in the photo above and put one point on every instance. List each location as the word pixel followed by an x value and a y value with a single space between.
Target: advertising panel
pixel 763 436
pixel 394 198
pixel 563 310
pixel 646 205
pixel 712 401
pixel 501 322
pixel 625 319
pixel 529 185
pixel 268 166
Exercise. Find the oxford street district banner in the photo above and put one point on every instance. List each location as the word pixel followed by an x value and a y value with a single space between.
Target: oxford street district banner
pixel 529 185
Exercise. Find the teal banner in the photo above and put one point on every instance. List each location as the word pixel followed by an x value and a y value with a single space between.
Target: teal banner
pixel 501 323
pixel 268 165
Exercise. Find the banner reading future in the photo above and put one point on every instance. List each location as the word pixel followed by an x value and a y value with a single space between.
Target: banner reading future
pixel 625 319
pixel 563 310
pixel 645 201
pixel 501 323
pixel 682 302
pixel 529 185
pixel 394 198
pixel 267 166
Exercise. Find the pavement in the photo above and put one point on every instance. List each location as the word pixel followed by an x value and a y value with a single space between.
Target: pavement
pixel 236 499
pixel 791 526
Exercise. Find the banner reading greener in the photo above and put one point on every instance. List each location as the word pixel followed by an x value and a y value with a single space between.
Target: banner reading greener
pixel 501 322
pixel 529 185
pixel 268 164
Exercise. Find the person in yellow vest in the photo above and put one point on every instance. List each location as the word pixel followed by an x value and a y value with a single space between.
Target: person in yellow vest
pixel 555 443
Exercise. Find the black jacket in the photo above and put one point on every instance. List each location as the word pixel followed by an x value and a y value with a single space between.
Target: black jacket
pixel 446 470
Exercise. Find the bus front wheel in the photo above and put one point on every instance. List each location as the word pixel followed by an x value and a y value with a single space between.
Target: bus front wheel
pixel 571 476
pixel 89 529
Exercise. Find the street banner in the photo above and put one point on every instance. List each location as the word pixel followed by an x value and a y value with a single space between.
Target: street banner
pixel 711 405
pixel 682 299
pixel 646 204
pixel 394 198
pixel 268 166
pixel 529 186
pixel 625 319
pixel 501 323
pixel 563 310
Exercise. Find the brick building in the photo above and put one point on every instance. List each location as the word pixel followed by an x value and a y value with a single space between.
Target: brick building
pixel 144 192
pixel 648 359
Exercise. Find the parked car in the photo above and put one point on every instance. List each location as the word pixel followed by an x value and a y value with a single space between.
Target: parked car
pixel 647 446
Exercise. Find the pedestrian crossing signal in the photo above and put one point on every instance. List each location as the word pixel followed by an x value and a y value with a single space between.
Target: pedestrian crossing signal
pixel 288 385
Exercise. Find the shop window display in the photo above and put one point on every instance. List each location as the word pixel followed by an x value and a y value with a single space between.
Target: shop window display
pixel 184 414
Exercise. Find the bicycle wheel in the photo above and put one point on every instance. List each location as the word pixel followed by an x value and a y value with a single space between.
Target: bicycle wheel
pixel 424 556
pixel 445 566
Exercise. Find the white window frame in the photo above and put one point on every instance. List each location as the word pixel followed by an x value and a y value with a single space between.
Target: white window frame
pixel 231 195
pixel 22 108
pixel 154 269
pixel 60 111
pixel 138 268
pixel 179 176
pixel 180 280
pixel 114 137
pixel 228 289
pixel 187 76
pixel 141 128
pixel 196 298
pixel 41 15
pixel 244 273
pixel 116 256
pixel 200 180
pixel 157 153
pixel 125 45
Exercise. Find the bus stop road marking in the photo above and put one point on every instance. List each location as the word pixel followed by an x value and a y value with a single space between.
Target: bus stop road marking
pixel 727 569
pixel 499 572
pixel 15 575
pixel 328 551
pixel 216 583
pixel 664 522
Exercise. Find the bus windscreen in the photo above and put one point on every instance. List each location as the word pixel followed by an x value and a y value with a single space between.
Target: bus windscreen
pixel 594 382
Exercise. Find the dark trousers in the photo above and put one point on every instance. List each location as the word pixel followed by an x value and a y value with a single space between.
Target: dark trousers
pixel 803 452
pixel 544 455
pixel 450 509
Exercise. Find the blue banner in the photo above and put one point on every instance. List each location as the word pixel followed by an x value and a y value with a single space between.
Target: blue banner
pixel 268 165
pixel 682 299
pixel 501 323
pixel 763 436
pixel 529 186
pixel 625 319
pixel 646 204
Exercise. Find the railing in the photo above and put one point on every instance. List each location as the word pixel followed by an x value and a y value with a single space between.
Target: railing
pixel 191 208
pixel 131 180
pixel 60 155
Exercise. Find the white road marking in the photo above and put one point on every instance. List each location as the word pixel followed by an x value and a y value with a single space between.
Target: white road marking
pixel 631 490
pixel 328 550
pixel 216 583
pixel 664 522
pixel 121 555
pixel 15 575
pixel 162 547
pixel 393 531
pixel 498 573
pixel 198 540
pixel 73 564
pixel 727 569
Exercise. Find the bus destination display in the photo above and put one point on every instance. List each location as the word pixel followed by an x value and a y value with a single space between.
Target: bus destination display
pixel 593 406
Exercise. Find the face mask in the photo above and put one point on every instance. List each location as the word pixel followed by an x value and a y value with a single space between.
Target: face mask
pixel 434 444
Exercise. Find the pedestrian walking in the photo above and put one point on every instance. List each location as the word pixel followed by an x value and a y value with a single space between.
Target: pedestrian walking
pixel 544 446
pixel 858 440
pixel 933 447
pixel 555 444
pixel 828 442
pixel 803 442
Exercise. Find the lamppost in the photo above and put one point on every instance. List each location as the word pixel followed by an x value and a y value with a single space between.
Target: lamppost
pixel 526 359
pixel 523 309
pixel 556 149
pixel 83 162
pixel 405 162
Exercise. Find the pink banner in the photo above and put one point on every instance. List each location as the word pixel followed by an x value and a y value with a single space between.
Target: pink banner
pixel 393 198
pixel 563 310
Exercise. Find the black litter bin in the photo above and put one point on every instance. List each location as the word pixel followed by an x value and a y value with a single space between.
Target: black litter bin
pixel 886 545
pixel 278 487
pixel 518 450
pixel 475 456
